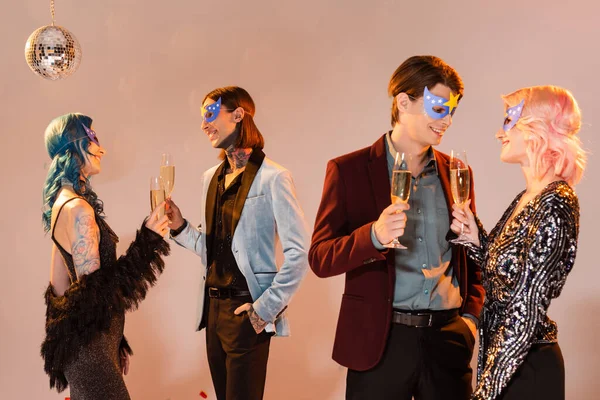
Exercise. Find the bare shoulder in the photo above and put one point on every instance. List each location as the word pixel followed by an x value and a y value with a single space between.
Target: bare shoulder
pixel 84 237
pixel 78 206
pixel 70 202
pixel 82 221
pixel 68 209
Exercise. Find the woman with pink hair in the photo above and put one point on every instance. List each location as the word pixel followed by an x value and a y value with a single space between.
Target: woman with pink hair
pixel 526 258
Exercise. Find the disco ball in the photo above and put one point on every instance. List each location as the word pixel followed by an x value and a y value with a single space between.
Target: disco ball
pixel 52 52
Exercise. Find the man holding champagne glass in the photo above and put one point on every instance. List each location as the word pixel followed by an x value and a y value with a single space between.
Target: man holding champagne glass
pixel 248 202
pixel 408 315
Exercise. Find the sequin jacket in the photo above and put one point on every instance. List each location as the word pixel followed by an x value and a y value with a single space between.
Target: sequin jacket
pixel 525 264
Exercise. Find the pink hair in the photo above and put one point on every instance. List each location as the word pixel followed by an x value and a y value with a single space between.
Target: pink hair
pixel 551 120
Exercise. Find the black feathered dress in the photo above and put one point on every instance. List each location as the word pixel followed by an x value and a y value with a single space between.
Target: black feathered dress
pixel 84 326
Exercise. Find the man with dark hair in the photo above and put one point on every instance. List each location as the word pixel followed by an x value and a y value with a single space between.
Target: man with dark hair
pixel 248 203
pixel 408 316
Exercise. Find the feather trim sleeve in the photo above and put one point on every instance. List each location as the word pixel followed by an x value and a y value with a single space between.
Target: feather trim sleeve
pixel 87 307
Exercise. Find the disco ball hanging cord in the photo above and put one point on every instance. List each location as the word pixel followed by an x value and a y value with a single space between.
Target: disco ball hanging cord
pixel 53 52
pixel 52 10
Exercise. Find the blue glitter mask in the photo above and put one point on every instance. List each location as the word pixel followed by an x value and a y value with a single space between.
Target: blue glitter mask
pixel 211 111
pixel 438 107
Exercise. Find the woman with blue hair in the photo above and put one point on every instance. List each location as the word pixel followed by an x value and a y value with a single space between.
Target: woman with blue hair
pixel 90 289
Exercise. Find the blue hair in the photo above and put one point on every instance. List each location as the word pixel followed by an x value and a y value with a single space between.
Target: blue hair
pixel 67 143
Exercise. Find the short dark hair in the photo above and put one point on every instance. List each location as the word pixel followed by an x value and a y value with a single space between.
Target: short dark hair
pixel 418 72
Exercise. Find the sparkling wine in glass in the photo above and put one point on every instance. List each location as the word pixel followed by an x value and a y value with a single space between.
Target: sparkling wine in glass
pixel 167 173
pixel 401 181
pixel 157 194
pixel 460 184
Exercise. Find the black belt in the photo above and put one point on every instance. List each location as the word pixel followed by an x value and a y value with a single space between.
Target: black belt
pixel 423 319
pixel 227 293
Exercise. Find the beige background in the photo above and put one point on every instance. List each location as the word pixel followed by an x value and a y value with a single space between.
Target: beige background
pixel 318 71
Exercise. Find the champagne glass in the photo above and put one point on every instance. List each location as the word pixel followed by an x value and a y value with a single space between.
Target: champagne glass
pixel 401 181
pixel 157 194
pixel 460 184
pixel 167 173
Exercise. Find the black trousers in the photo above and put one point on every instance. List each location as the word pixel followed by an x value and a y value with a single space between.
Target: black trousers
pixel 427 363
pixel 540 377
pixel 237 356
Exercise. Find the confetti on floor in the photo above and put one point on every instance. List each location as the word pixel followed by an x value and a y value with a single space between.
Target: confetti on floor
pixel 203 394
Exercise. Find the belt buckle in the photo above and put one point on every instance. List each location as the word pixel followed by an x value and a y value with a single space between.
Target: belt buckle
pixel 214 293
pixel 429 322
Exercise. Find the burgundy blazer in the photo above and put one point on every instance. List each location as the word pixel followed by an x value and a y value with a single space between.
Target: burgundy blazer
pixel 356 191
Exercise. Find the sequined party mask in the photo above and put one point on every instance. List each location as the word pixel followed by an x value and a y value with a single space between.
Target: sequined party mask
pixel 91 134
pixel 438 107
pixel 512 116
